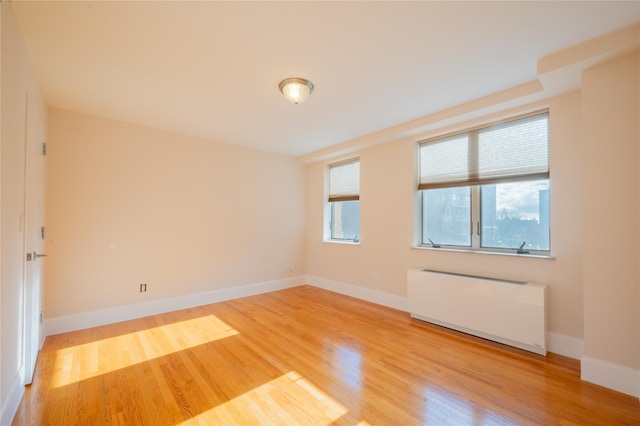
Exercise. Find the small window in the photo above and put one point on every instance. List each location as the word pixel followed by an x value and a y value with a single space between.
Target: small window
pixel 488 188
pixel 344 201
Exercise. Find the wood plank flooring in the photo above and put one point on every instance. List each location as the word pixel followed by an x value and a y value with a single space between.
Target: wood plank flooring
pixel 304 356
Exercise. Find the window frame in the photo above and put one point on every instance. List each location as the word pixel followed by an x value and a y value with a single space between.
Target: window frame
pixel 475 200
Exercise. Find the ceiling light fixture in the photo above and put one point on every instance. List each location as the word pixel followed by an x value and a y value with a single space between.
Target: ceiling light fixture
pixel 296 90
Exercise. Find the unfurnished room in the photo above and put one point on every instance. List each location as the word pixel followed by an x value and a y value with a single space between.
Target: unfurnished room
pixel 320 213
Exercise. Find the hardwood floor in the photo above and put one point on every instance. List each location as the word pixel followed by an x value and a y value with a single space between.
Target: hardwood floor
pixel 304 356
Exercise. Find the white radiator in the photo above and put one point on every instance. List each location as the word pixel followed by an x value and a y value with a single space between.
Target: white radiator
pixel 503 311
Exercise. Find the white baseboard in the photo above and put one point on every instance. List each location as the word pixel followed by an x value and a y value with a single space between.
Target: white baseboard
pixel 12 401
pixel 568 346
pixel 613 376
pixel 374 296
pixel 84 320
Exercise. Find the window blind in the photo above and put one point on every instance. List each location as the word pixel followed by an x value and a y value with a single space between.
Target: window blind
pixel 506 152
pixel 344 181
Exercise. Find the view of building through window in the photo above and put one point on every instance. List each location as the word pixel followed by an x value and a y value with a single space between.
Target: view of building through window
pixel 513 213
pixel 510 214
pixel 345 220
pixel 446 216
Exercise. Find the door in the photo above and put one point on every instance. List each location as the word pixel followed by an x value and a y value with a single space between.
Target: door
pixel 33 235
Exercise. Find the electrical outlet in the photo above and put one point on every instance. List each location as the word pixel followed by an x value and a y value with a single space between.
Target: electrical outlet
pixel 143 288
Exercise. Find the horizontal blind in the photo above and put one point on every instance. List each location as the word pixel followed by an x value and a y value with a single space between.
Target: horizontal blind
pixel 344 181
pixel 511 151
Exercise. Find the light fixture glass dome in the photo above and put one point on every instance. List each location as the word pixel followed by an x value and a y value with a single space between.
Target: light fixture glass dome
pixel 296 90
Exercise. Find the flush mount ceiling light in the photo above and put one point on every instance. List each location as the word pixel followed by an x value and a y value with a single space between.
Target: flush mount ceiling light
pixel 296 90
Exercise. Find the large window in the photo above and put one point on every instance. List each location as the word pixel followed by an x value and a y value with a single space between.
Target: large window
pixel 344 201
pixel 488 188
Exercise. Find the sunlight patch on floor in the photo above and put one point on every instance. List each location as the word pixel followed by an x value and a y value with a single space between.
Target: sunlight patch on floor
pixel 289 399
pixel 89 360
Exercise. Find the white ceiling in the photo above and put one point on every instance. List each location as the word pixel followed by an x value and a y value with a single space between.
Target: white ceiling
pixel 211 69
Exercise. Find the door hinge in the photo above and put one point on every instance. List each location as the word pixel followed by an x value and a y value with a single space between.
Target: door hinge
pixel 42 233
pixel 44 149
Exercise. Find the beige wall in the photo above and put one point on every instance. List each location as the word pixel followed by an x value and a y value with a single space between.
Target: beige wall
pixel 17 80
pixel 611 211
pixel 130 205
pixel 388 182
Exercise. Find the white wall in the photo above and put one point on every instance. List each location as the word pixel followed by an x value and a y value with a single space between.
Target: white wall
pixel 17 79
pixel 130 205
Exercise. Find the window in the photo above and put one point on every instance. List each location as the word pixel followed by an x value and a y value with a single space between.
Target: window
pixel 488 188
pixel 344 200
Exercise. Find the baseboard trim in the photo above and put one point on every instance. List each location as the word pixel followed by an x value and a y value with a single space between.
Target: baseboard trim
pixel 12 401
pixel 610 375
pixel 84 320
pixel 562 344
pixel 374 296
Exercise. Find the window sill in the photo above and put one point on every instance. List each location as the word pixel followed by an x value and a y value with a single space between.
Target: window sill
pixel 345 242
pixel 498 253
